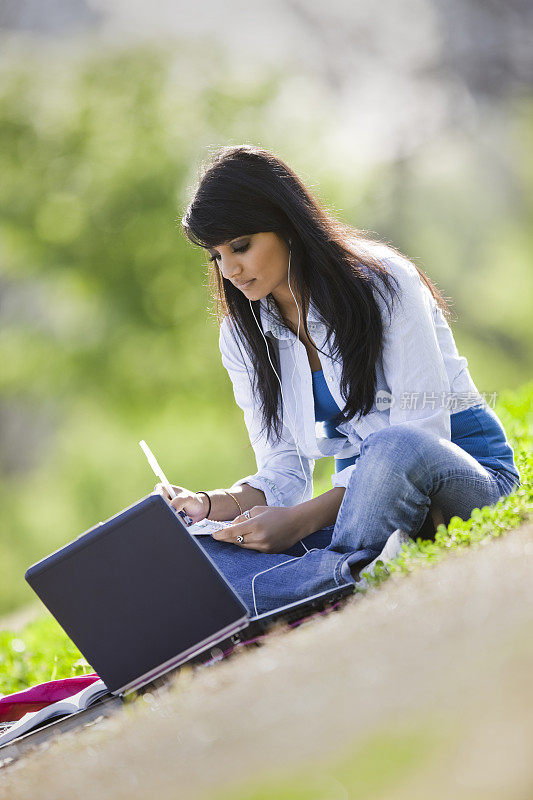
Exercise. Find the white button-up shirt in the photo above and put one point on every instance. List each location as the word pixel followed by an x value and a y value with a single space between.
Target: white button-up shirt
pixel 420 376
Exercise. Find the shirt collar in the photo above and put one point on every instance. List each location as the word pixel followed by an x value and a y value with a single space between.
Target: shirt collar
pixel 275 326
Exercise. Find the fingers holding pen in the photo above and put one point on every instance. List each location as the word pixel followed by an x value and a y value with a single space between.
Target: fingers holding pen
pixel 179 494
pixel 160 489
pixel 189 502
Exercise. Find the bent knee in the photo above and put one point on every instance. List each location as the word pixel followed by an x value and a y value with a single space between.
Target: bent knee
pixel 404 435
pixel 406 446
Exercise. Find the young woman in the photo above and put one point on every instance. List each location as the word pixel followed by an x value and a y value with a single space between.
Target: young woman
pixel 322 324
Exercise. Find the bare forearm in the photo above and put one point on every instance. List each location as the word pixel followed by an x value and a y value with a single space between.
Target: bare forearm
pixel 223 507
pixel 317 513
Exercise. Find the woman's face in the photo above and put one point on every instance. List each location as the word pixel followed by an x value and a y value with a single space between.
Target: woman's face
pixel 257 264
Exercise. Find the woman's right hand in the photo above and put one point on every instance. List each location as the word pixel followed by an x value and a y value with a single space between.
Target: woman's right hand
pixel 194 505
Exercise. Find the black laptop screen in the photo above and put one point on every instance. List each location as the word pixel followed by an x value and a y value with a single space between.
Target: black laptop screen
pixel 135 592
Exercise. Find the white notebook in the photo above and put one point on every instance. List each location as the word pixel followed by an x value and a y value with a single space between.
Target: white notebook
pixel 207 526
pixel 63 708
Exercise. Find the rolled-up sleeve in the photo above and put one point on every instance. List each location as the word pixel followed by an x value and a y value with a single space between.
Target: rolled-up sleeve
pixel 413 364
pixel 283 477
pixel 341 478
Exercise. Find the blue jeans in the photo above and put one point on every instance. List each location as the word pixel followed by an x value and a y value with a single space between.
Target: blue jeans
pixel 400 472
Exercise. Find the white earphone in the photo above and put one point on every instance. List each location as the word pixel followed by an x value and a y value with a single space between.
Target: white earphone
pixel 293 371
pixel 284 406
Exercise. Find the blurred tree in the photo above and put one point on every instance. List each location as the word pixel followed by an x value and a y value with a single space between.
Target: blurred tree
pixel 101 293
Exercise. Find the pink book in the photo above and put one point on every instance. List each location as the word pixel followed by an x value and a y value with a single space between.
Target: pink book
pixel 14 706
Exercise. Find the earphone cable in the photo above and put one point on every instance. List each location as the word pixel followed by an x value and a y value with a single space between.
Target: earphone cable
pixel 284 406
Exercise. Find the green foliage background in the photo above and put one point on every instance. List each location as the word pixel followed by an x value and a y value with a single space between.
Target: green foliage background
pixel 107 336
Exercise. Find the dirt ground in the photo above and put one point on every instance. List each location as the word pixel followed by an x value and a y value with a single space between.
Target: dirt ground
pixel 442 659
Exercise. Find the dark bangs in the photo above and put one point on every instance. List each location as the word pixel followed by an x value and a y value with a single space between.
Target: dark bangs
pixel 227 205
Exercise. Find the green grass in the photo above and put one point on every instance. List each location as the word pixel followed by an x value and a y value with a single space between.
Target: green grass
pixel 42 652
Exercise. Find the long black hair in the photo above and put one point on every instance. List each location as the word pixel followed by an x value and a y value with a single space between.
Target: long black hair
pixel 245 190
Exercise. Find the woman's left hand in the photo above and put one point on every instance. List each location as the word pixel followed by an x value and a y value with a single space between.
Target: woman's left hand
pixel 267 529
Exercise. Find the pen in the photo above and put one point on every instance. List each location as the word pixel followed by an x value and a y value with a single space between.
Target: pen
pixel 158 472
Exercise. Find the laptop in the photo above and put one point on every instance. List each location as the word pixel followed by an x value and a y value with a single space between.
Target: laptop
pixel 139 596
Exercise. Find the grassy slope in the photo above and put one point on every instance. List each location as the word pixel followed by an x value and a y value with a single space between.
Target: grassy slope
pixel 41 651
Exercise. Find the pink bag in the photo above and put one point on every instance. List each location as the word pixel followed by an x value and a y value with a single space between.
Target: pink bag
pixel 14 706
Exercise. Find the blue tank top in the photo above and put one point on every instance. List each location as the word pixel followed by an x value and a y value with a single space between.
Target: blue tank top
pixel 476 430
